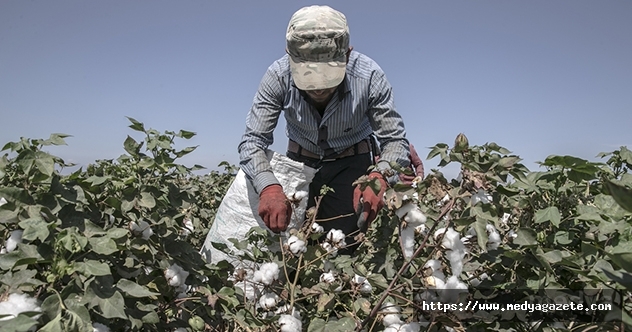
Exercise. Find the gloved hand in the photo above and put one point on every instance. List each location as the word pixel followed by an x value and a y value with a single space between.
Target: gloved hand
pixel 274 208
pixel 416 164
pixel 371 202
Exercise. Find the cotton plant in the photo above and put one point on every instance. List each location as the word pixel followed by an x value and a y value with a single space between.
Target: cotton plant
pixel 16 304
pixel 142 228
pixel 12 242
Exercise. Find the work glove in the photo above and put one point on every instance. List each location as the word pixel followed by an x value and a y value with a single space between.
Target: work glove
pixel 274 208
pixel 416 164
pixel 367 203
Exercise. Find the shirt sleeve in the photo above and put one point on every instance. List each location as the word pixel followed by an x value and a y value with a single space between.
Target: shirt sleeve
pixel 387 124
pixel 261 121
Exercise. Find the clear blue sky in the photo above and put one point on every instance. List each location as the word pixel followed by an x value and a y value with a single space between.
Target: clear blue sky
pixel 539 77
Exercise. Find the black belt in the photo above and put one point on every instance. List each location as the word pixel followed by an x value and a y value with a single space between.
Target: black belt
pixel 361 147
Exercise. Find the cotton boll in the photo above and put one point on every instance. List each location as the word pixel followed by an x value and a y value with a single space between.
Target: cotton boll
pixel 141 228
pixel 267 273
pixel 453 287
pixel 296 245
pixel 188 227
pixel 391 319
pixel 13 240
pixel 268 301
pixel 16 304
pixel 391 316
pixel 456 260
pixel 98 327
pixel 363 284
pixel 433 264
pixel 412 214
pixel 290 323
pixel 493 241
pixel 327 277
pixel 410 327
pixel 3 201
pixel 408 242
pixel 481 196
pixel 512 234
pixel 317 228
pixel 451 239
pixel 175 275
pixel 393 328
pixel 336 237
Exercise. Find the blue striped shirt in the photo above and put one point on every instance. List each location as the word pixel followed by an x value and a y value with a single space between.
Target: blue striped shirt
pixel 362 105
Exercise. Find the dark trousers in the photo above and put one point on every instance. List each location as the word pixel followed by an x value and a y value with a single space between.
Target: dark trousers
pixel 339 175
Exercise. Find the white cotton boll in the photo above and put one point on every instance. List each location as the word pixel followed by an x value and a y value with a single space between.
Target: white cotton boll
pixel 505 218
pixel 493 240
pixel 290 323
pixel 393 328
pixel 444 200
pixel 327 277
pixel 299 195
pixel 451 239
pixel 141 228
pixel 411 213
pixel 175 275
pixel 391 319
pixel 433 264
pixel 455 257
pixel 477 281
pixel 317 228
pixel 268 301
pixel 336 237
pixel 453 287
pixel 363 283
pixel 329 249
pixel 3 201
pixel 512 234
pixel 98 327
pixel 13 240
pixel 188 227
pixel 410 327
pixel 16 304
pixel 408 242
pixel 481 196
pixel 296 245
pixel 267 273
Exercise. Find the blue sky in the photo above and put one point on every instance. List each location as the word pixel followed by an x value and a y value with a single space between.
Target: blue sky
pixel 538 77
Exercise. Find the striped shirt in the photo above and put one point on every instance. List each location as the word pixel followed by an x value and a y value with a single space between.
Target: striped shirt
pixel 362 105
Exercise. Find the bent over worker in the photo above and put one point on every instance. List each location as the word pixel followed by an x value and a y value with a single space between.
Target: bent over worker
pixel 334 101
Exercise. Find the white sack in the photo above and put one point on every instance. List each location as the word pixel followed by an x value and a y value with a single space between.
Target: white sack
pixel 238 212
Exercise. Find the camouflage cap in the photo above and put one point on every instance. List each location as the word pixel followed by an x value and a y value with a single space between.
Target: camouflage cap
pixel 317 42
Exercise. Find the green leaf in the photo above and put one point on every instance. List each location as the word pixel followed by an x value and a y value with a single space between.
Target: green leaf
pixel 21 323
pixel 185 134
pixel 57 139
pixel 622 255
pixel 44 163
pixel 113 307
pixel 134 290
pixel 136 125
pixel 526 237
pixel 551 214
pixel 103 245
pixel 92 268
pixel 317 325
pixel 34 228
pixel 53 326
pixel 325 301
pixel 344 324
pixel 620 193
pixel 147 200
pixel 131 146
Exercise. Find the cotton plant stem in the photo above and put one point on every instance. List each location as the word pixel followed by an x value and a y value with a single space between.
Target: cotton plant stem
pixel 404 267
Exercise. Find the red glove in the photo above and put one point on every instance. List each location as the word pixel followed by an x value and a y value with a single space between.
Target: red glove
pixel 416 164
pixel 274 208
pixel 372 203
